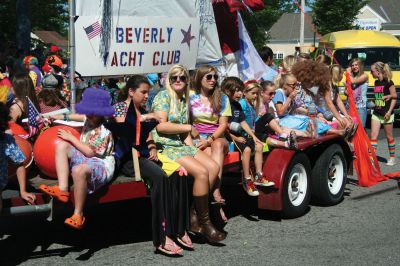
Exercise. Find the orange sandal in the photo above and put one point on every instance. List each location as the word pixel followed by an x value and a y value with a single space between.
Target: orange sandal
pixel 55 192
pixel 75 221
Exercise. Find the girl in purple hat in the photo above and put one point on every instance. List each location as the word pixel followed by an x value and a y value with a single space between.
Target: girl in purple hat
pixel 89 159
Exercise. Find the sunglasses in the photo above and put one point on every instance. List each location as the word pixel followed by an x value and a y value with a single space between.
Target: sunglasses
pixel 210 76
pixel 272 93
pixel 294 85
pixel 176 78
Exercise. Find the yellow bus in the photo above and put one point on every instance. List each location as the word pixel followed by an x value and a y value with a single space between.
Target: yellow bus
pixel 370 46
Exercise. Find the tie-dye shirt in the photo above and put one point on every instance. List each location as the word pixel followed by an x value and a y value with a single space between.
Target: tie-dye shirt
pixel 203 117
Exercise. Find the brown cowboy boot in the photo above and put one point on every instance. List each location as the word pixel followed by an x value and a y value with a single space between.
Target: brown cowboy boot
pixel 206 227
pixel 194 222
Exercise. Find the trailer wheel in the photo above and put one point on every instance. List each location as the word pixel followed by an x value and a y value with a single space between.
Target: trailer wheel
pixel 296 187
pixel 329 176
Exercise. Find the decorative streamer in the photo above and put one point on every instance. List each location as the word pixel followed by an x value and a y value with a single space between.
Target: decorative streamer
pixel 105 35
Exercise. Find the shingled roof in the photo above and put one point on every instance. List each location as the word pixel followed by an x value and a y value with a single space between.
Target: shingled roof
pixel 287 29
pixel 52 37
pixel 387 9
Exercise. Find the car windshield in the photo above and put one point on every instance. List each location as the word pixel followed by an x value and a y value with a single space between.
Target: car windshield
pixel 370 55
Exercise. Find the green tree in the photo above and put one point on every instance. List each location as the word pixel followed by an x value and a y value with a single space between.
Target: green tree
pixel 258 23
pixel 329 16
pixel 49 15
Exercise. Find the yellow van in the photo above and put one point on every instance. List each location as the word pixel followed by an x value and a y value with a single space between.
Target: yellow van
pixel 370 46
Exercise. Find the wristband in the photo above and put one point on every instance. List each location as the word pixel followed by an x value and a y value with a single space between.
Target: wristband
pixel 66 118
pixel 212 137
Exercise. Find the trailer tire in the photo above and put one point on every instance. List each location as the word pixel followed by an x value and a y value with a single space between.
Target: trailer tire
pixel 296 187
pixel 329 176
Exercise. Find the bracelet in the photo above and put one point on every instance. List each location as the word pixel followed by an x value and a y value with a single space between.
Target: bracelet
pixel 66 118
pixel 212 137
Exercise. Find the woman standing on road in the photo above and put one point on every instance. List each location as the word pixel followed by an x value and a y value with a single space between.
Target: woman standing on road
pixel 359 84
pixel 385 101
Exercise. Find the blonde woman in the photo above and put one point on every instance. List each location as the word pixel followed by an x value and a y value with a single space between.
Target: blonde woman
pixel 173 137
pixel 385 101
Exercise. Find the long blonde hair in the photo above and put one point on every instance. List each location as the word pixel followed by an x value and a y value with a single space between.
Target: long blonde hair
pixel 216 96
pixel 175 70
pixel 384 69
pixel 335 71
pixel 360 66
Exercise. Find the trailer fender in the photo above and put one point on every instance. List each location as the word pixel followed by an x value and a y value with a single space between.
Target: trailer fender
pixel 275 166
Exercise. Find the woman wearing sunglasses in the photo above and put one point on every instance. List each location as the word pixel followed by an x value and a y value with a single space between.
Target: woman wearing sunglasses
pixel 173 137
pixel 209 110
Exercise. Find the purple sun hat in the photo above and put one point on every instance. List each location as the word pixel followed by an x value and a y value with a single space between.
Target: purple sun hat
pixel 95 102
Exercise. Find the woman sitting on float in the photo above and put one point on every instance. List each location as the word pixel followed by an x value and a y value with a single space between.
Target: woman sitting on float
pixel 173 137
pixel 169 195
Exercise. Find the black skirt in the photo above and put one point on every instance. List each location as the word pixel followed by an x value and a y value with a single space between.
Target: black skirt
pixel 169 200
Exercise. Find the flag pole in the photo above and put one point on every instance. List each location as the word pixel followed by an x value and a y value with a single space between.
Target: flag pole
pixel 34 107
pixel 72 54
pixel 91 45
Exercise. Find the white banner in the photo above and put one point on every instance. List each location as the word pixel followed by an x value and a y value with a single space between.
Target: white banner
pixel 209 50
pixel 138 45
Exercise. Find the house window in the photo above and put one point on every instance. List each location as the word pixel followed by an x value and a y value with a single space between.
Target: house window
pixel 278 55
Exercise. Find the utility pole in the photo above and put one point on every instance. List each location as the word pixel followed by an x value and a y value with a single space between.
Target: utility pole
pixel 302 23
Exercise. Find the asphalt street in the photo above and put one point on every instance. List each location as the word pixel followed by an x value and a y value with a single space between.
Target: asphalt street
pixel 364 229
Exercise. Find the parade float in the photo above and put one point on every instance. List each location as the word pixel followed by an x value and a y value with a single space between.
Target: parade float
pixel 141 37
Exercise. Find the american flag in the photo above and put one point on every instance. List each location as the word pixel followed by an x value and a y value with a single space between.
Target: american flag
pixel 35 120
pixel 93 30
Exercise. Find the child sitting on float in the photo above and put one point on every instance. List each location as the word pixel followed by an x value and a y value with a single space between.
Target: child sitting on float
pixel 10 152
pixel 267 126
pixel 88 159
pixel 243 136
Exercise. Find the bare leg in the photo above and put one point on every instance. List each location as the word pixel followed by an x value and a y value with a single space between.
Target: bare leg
pixel 274 125
pixel 275 143
pixel 219 149
pixel 201 185
pixel 388 128
pixel 62 153
pixel 375 127
pixel 258 157
pixel 80 175
pixel 246 162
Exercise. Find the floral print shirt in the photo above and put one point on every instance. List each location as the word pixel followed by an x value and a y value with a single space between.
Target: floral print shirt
pixel 162 102
pixel 99 139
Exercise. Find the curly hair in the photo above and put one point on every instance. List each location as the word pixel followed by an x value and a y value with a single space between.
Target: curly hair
pixel 216 95
pixel 311 73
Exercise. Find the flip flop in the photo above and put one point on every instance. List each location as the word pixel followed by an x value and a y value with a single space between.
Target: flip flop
pixel 55 192
pixel 170 249
pixel 75 221
pixel 185 241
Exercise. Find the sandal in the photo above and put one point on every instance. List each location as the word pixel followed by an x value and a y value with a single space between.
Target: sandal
pixel 170 249
pixel 75 221
pixel 55 192
pixel 185 241
pixel 293 140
